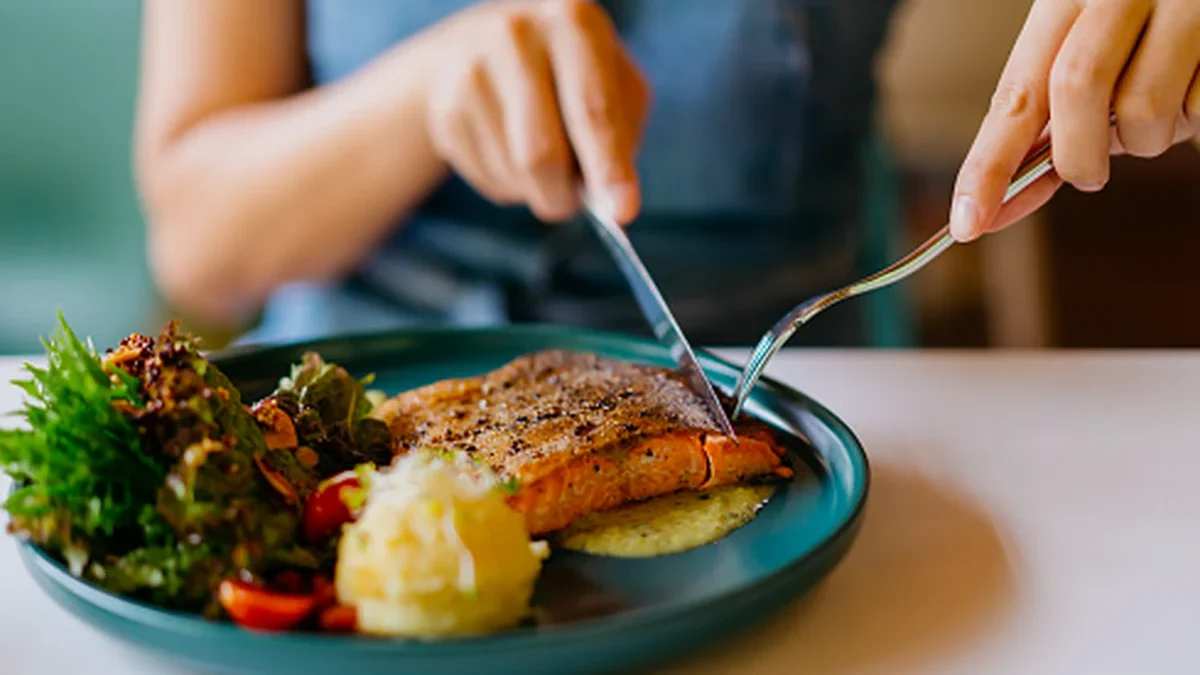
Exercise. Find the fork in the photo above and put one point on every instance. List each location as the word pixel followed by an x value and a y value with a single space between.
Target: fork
pixel 1037 164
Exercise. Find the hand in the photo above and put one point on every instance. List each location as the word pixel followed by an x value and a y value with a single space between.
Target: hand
pixel 533 93
pixel 1074 63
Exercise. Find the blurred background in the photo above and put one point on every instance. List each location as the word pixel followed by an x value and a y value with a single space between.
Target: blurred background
pixel 1107 270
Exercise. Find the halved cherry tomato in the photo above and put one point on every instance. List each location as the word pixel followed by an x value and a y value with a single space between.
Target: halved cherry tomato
pixel 339 619
pixel 325 511
pixel 257 608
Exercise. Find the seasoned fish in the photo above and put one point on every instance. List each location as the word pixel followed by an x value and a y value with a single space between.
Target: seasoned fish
pixel 581 433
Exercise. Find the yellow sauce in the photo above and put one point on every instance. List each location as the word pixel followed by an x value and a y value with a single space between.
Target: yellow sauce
pixel 670 524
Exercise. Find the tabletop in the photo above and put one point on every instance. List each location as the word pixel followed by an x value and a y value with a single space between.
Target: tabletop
pixel 1029 513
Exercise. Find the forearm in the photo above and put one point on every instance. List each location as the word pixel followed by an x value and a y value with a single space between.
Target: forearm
pixel 290 189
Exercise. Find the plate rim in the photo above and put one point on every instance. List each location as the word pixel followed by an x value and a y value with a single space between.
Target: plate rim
pixel 196 626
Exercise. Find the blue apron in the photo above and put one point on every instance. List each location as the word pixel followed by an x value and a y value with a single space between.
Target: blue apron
pixel 752 170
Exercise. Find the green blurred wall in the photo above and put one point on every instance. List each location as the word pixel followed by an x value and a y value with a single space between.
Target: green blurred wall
pixel 71 235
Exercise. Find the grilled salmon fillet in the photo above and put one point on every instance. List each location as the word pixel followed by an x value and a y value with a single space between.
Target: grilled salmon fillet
pixel 581 433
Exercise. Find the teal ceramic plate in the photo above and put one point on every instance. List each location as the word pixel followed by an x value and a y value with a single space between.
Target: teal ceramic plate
pixel 605 614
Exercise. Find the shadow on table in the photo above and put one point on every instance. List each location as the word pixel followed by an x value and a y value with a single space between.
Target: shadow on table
pixel 928 574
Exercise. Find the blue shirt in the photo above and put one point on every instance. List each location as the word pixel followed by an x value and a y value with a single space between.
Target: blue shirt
pixel 752 170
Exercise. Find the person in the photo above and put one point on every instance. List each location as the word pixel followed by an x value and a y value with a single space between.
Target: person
pixel 355 166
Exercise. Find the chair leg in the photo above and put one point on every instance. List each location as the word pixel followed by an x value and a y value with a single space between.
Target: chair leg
pixel 1016 285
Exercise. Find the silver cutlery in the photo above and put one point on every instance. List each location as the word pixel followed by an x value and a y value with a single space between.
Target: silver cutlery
pixel 654 307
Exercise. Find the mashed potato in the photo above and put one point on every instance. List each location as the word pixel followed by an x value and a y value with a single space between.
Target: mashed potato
pixel 437 552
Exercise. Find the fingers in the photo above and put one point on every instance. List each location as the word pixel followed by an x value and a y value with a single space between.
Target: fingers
pixel 1157 79
pixel 540 156
pixel 486 118
pixel 1192 107
pixel 635 92
pixel 545 86
pixel 463 124
pixel 1018 115
pixel 1082 85
pixel 586 59
pixel 1031 199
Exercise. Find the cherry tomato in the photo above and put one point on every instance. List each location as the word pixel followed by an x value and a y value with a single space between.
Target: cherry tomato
pixel 325 511
pixel 338 619
pixel 257 608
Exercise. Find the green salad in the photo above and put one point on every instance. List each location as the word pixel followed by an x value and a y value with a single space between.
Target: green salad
pixel 145 473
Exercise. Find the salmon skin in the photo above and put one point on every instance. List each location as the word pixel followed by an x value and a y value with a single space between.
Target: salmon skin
pixel 580 433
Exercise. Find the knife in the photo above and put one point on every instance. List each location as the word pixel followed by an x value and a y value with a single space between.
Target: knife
pixel 655 309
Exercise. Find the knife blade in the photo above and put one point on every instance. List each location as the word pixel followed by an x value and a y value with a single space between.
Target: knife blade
pixel 655 309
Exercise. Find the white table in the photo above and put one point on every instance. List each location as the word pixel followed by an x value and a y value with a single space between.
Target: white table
pixel 1030 513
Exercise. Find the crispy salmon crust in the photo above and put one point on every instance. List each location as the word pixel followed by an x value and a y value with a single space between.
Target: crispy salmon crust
pixel 581 433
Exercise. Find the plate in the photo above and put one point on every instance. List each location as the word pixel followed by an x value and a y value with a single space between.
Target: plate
pixel 604 614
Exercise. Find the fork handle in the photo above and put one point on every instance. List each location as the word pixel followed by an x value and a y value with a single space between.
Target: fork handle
pixel 1037 164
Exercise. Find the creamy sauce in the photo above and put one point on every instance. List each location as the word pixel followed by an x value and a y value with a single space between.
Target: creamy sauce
pixel 670 524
